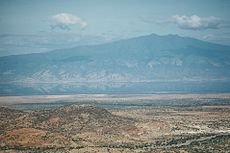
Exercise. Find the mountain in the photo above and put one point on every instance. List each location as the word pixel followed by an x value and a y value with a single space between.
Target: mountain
pixel 150 58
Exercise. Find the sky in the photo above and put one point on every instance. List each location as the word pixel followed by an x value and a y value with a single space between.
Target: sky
pixel 28 26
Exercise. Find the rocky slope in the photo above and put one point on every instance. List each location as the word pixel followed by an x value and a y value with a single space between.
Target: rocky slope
pixel 56 128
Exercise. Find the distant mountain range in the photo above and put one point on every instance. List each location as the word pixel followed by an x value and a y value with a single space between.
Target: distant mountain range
pixel 150 58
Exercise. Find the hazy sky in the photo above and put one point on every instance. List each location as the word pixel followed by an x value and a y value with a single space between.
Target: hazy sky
pixel 41 25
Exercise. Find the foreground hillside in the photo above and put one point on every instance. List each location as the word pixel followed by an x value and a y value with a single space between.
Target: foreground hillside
pixel 69 127
pixel 87 128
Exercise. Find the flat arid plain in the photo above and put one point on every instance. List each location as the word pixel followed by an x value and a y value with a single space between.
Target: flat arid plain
pixel 115 123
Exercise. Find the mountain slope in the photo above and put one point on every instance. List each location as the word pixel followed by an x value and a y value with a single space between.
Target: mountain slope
pixel 142 59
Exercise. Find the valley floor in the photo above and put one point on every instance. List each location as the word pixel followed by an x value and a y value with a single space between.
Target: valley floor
pixel 119 127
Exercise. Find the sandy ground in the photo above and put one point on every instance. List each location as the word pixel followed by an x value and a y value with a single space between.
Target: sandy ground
pixel 8 100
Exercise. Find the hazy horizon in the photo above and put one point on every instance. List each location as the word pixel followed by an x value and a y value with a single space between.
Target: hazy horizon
pixel 32 26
